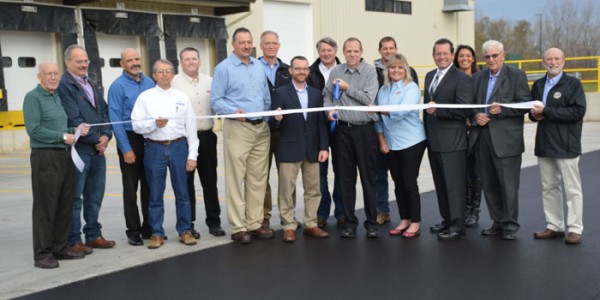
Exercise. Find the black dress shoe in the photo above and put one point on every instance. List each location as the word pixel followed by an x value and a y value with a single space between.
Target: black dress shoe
pixel 216 231
pixel 48 262
pixel 494 230
pixel 449 235
pixel 372 233
pixel 437 228
pixel 135 240
pixel 69 254
pixel 195 233
pixel 348 233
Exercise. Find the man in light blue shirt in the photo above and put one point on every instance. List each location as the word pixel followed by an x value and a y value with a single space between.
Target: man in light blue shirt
pixel 122 94
pixel 240 86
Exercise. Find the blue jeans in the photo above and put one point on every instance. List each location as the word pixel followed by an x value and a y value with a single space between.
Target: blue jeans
pixel 88 192
pixel 381 184
pixel 157 158
pixel 325 205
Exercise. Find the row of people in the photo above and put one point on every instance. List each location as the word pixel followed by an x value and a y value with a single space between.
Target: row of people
pixel 175 139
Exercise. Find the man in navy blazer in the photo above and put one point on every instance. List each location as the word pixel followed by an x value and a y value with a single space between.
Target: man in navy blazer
pixel 498 138
pixel 447 139
pixel 303 143
pixel 84 103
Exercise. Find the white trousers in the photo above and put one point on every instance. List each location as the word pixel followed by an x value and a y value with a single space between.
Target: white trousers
pixel 553 170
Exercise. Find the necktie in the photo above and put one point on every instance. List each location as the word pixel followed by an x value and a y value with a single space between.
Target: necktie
pixel 434 83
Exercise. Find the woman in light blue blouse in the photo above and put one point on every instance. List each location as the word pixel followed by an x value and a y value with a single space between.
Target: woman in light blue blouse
pixel 402 138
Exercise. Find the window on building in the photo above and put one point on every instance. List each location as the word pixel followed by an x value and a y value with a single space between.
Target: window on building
pixel 26 62
pixel 393 6
pixel 115 62
pixel 6 62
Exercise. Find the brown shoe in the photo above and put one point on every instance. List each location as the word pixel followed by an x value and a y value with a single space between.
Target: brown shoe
pixel 383 218
pixel 573 238
pixel 241 238
pixel 81 248
pixel 69 254
pixel 548 234
pixel 155 242
pixel 100 242
pixel 289 235
pixel 265 223
pixel 187 239
pixel 48 262
pixel 262 233
pixel 316 232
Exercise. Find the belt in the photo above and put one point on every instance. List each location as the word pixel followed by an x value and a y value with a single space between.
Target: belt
pixel 202 132
pixel 167 142
pixel 354 124
pixel 254 122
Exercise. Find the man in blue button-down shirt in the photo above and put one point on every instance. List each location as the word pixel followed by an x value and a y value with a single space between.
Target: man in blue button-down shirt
pixel 240 86
pixel 122 94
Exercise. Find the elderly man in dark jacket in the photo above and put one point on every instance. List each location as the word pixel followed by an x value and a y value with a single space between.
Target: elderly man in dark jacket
pixel 558 146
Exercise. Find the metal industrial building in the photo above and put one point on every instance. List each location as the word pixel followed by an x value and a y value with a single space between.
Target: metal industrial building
pixel 35 31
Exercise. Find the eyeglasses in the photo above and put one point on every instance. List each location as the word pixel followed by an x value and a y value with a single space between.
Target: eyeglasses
pixel 169 71
pixel 492 56
pixel 300 69
pixel 82 62
pixel 50 74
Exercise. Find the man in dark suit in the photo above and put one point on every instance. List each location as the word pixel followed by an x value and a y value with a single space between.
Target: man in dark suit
pixel 447 139
pixel 498 138
pixel 302 145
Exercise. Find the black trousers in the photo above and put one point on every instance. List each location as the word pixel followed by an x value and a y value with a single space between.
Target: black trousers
pixel 52 185
pixel 404 167
pixel 134 176
pixel 356 147
pixel 449 170
pixel 207 170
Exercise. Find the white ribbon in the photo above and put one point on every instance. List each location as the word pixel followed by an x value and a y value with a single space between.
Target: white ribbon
pixel 398 107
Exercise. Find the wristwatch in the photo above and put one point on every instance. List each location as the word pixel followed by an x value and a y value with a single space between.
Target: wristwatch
pixel 64 137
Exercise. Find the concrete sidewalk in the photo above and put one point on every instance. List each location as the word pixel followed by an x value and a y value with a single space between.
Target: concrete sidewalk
pixel 20 277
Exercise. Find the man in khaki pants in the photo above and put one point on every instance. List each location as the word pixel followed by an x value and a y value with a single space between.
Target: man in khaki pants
pixel 240 86
pixel 303 143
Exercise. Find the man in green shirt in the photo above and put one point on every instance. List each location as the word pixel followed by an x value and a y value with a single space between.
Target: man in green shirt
pixel 51 169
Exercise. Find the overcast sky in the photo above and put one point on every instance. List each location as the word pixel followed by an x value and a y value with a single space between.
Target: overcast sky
pixel 510 9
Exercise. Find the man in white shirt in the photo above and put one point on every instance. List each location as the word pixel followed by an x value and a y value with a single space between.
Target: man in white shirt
pixel 197 87
pixel 166 118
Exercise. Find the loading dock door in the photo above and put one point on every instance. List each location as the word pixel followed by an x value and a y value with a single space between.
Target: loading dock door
pixel 26 50
pixel 110 48
pixel 295 30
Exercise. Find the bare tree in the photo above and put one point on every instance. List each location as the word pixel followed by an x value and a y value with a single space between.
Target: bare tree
pixel 571 25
